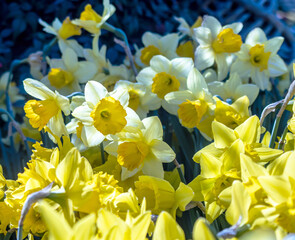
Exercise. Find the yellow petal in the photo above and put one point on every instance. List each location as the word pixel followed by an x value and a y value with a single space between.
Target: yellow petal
pixel 223 136
pixel 201 230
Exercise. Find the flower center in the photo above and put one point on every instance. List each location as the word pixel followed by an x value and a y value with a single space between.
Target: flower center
pixel 59 78
pixel 258 57
pixel 191 112
pixel 39 112
pixel 186 50
pixel 132 154
pixel 90 15
pixel 227 41
pixel 68 29
pixel 164 83
pixel 134 100
pixel 109 116
pixel 147 53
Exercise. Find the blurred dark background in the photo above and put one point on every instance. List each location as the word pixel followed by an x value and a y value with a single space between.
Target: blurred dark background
pixel 21 34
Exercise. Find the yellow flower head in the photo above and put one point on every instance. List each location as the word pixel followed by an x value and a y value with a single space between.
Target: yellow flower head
pixel 258 57
pixel 164 83
pixel 90 15
pixel 147 54
pixel 227 41
pixel 68 29
pixel 109 116
pixel 59 78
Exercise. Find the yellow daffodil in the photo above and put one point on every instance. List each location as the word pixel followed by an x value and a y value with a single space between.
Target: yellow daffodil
pixel 167 228
pixel 63 31
pixel 233 89
pixel 60 229
pixel 195 105
pixel 141 149
pixel 68 73
pixel 165 76
pixel 217 44
pixel 91 21
pixel 103 113
pixel 201 230
pixel 154 45
pixel 48 110
pixel 258 59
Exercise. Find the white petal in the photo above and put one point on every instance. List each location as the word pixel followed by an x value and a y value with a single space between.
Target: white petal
pixel 132 118
pixel 151 100
pixel 243 54
pixel 250 90
pixel 125 173
pixel 162 151
pixel 83 114
pixel 122 95
pixel 222 66
pixel 70 59
pixel 276 66
pixel 169 42
pixel 217 88
pixel 204 57
pixel 256 36
pixel 181 67
pixel 91 137
pixel 196 82
pixel 213 24
pixel 153 168
pixel 145 76
pixel 153 128
pixel 179 97
pixel 203 36
pixel 261 80
pixel 236 27
pixel 57 126
pixel 160 63
pixel 64 103
pixel 170 108
pixel 273 45
pixel 149 38
pixel 85 71
pixel 94 92
pixel 37 89
pixel 243 68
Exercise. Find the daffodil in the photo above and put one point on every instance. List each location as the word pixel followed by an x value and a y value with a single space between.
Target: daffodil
pixel 68 73
pixel 258 59
pixel 141 148
pixel 201 230
pixel 216 44
pixel 63 31
pixel 233 89
pixel 59 228
pixel 48 110
pixel 194 105
pixel 103 113
pixel 154 45
pixel 91 21
pixel 165 76
pixel 185 28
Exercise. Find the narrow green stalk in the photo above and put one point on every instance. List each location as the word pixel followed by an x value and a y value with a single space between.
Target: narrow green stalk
pixel 9 233
pixel 121 34
pixel 102 153
pixel 281 142
pixel 20 233
pixel 48 46
pixel 274 131
pixel 179 171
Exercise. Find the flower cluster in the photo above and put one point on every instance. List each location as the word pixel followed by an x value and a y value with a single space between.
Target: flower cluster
pixel 113 136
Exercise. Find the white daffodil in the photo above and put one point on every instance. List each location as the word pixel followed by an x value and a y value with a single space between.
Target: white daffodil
pixel 139 100
pixel 142 148
pixel 68 73
pixel 103 113
pixel 233 89
pixel 185 28
pixel 216 44
pixel 194 105
pixel 258 59
pixel 47 111
pixel 155 44
pixel 164 76
pixel 91 21
pixel 63 31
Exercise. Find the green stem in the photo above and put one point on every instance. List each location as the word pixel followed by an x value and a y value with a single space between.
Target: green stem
pixel 48 46
pixel 181 175
pixel 121 34
pixel 274 131
pixel 281 142
pixel 20 233
pixel 102 153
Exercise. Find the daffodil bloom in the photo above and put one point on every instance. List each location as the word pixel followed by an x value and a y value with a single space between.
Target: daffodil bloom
pixel 258 59
pixel 68 73
pixel 201 230
pixel 217 44
pixel 194 105
pixel 48 110
pixel 103 113
pixel 141 148
pixel 91 21
pixel 63 31
pixel 185 28
pixel 167 228
pixel 106 73
pixel 154 45
pixel 233 89
pixel 186 49
pixel 113 227
pixel 165 76
pixel 59 228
